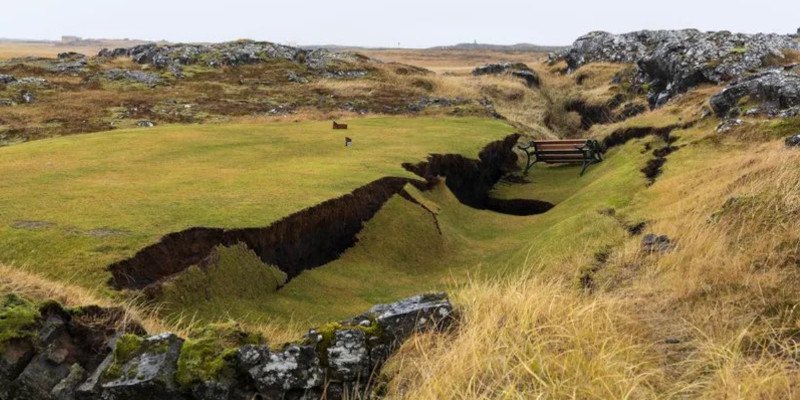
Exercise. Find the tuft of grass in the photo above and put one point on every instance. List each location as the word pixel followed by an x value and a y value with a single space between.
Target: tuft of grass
pixel 18 317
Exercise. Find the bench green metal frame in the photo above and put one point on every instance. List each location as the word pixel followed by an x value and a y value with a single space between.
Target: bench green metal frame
pixel 585 152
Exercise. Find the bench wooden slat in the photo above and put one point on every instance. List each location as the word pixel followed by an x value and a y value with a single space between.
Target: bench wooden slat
pixel 579 141
pixel 562 159
pixel 568 147
pixel 557 149
pixel 567 151
pixel 560 155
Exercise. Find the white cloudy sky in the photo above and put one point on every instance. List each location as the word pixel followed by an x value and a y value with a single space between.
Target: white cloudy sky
pixel 411 23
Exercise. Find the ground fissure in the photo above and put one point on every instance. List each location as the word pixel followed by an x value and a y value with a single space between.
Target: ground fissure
pixel 320 234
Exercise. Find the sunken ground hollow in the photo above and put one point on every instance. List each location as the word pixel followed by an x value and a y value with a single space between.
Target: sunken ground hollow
pixel 320 234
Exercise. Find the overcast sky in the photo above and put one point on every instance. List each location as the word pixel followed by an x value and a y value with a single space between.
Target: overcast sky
pixel 411 23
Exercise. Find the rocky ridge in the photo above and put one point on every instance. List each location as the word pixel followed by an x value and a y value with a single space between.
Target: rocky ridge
pixel 227 54
pixel 518 70
pixel 671 62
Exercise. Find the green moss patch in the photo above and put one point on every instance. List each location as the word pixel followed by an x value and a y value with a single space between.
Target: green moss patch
pixel 18 318
pixel 206 356
pixel 127 347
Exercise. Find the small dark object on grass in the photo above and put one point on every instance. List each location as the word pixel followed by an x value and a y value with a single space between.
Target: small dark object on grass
pixel 337 125
pixel 652 243
pixel 636 229
pixel 793 141
pixel 348 142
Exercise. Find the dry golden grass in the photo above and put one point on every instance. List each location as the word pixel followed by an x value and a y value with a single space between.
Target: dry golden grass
pixel 524 107
pixel 452 61
pixel 526 339
pixel 714 318
pixel 18 280
pixel 16 49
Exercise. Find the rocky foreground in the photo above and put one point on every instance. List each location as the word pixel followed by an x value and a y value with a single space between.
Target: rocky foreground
pixel 66 355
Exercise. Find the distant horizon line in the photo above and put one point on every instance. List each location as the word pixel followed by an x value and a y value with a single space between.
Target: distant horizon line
pixel 292 43
pixel 78 39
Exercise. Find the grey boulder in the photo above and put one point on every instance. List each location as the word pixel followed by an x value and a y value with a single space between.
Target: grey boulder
pixel 774 90
pixel 348 356
pixel 295 368
pixel 146 78
pixel 149 372
pixel 518 70
pixel 670 62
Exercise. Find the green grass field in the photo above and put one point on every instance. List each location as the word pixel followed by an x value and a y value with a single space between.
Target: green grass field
pixel 70 206
pixel 74 205
pixel 401 253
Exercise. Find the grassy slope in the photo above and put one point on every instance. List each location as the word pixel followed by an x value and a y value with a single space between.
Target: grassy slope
pixel 141 184
pixel 714 318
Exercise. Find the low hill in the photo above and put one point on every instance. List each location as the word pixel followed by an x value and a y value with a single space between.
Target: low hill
pixel 154 84
pixel 519 47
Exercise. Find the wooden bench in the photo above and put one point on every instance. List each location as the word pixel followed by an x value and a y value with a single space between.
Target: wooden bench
pixel 568 151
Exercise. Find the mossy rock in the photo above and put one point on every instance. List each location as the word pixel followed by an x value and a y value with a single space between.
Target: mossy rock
pixel 207 356
pixel 18 318
pixel 126 347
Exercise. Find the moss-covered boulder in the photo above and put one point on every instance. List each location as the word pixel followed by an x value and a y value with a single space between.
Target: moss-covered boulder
pixel 143 368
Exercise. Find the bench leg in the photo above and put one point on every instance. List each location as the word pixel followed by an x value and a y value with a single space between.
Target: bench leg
pixel 585 165
pixel 528 163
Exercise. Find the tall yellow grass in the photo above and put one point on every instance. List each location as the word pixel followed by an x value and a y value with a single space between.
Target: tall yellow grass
pixel 18 280
pixel 714 318
pixel 527 339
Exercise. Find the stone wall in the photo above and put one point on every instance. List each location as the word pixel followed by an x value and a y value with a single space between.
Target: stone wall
pixel 58 362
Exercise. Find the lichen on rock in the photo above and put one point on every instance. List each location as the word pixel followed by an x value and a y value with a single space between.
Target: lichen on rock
pixel 671 62
pixel 219 362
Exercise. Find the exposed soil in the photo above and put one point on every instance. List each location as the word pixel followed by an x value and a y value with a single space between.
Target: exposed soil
pixel 622 136
pixel 105 232
pixel 587 278
pixel 654 166
pixel 470 180
pixel 633 228
pixel 32 225
pixel 591 114
pixel 303 240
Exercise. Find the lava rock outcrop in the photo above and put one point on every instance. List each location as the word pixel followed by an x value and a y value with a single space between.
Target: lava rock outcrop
pixel 518 70
pixel 62 362
pixel 774 90
pixel 670 62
